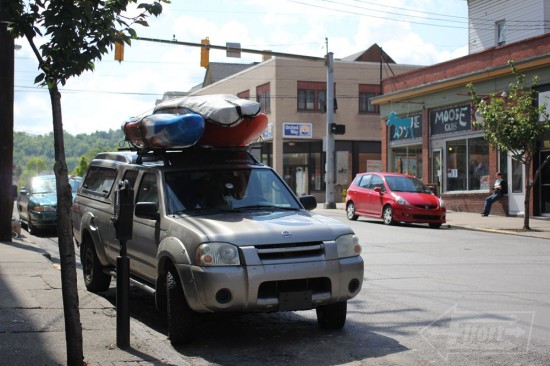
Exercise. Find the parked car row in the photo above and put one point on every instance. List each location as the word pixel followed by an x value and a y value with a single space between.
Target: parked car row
pixel 37 202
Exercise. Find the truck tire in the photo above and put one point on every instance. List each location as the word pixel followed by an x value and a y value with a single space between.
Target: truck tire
pixel 332 316
pixel 94 278
pixel 180 316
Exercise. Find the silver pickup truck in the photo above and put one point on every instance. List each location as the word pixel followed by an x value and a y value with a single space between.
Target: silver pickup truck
pixel 215 231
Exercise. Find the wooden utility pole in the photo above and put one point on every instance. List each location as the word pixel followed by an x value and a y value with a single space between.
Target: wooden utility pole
pixel 6 127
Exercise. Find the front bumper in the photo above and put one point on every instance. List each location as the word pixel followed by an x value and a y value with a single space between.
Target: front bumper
pixel 272 287
pixel 417 215
pixel 43 219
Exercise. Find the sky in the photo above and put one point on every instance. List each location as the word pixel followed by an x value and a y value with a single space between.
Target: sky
pixel 413 32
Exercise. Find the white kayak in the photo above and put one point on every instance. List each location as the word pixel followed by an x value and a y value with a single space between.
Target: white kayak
pixel 224 109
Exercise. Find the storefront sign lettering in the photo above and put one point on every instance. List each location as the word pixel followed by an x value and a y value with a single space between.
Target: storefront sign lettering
pixel 403 128
pixel 453 119
pixel 297 130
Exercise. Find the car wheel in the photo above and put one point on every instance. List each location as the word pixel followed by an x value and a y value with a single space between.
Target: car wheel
pixel 387 215
pixel 30 226
pixel 94 278
pixel 435 226
pixel 332 316
pixel 350 211
pixel 180 316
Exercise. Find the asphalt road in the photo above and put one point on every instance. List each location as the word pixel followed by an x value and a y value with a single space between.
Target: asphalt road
pixel 442 297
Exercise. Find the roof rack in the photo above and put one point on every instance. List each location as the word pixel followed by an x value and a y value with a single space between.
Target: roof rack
pixel 211 154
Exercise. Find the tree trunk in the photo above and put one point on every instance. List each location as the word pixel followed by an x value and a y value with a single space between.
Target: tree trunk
pixel 528 186
pixel 6 128
pixel 73 327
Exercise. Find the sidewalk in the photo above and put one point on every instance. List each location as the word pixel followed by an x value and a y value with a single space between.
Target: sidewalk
pixel 540 226
pixel 31 309
pixel 32 328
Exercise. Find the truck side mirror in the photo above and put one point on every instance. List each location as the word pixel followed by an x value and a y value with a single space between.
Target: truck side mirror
pixel 309 202
pixel 147 210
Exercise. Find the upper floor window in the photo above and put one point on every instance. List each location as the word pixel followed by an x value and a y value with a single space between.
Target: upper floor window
pixel 312 96
pixel 501 32
pixel 263 96
pixel 366 93
pixel 244 94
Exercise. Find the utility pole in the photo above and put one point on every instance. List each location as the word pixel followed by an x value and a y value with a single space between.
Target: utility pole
pixel 329 174
pixel 6 126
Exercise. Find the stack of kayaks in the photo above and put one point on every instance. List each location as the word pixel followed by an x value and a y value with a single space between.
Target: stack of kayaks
pixel 220 120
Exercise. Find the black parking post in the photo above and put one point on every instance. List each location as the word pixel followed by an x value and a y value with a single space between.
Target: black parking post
pixel 123 222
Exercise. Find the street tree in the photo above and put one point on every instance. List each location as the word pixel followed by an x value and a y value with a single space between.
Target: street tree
pixel 67 37
pixel 514 121
pixel 82 166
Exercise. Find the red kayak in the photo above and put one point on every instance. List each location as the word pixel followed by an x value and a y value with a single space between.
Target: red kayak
pixel 242 134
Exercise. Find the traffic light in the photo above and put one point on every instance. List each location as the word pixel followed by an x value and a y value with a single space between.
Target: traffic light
pixel 119 51
pixel 337 129
pixel 205 52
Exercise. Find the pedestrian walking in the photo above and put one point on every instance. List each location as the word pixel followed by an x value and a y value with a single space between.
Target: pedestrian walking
pixel 499 190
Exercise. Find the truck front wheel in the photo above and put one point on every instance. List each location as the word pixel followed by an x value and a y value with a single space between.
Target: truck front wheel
pixel 94 278
pixel 180 316
pixel 332 316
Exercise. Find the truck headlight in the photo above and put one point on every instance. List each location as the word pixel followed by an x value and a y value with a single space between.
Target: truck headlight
pixel 217 254
pixel 348 246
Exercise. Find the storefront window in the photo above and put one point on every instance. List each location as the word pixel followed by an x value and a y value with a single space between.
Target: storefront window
pixel 478 174
pixel 467 164
pixel 517 176
pixel 407 160
pixel 316 176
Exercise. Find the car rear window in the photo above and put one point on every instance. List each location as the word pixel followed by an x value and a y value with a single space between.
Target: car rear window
pixel 99 181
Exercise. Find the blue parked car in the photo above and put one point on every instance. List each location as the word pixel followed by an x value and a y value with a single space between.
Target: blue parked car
pixel 37 202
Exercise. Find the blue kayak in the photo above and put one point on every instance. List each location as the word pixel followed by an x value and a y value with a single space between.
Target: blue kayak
pixel 164 130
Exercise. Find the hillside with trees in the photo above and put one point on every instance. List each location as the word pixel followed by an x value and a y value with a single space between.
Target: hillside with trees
pixel 34 154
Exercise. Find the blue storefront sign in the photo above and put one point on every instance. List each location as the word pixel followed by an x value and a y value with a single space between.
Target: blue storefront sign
pixel 303 130
pixel 404 128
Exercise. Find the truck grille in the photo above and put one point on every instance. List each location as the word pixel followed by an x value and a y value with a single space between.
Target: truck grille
pixel 289 251
pixel 274 288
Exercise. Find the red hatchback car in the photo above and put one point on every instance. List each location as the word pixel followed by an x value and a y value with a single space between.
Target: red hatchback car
pixel 394 198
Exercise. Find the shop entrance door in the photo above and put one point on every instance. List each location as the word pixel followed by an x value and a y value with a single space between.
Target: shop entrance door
pixel 516 186
pixel 544 185
pixel 436 170
pixel 296 178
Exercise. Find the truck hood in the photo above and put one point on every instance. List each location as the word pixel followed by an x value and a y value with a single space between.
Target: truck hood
pixel 267 227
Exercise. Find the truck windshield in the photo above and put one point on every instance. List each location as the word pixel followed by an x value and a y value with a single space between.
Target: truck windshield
pixel 226 190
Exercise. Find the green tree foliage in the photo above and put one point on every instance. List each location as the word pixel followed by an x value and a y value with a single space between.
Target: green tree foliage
pixel 34 166
pixel 80 169
pixel 514 122
pixel 28 147
pixel 74 34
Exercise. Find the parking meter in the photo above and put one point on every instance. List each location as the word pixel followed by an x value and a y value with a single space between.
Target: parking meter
pixel 123 223
pixel 124 211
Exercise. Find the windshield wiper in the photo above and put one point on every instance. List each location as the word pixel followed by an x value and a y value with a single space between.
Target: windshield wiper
pixel 264 207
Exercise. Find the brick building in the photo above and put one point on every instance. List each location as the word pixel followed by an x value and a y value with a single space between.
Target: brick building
pixel 439 143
